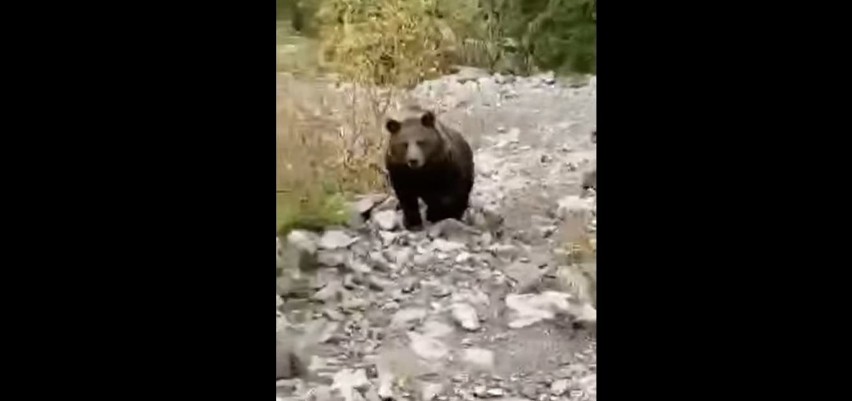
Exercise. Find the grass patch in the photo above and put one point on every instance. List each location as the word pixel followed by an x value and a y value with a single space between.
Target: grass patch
pixel 329 146
pixel 295 212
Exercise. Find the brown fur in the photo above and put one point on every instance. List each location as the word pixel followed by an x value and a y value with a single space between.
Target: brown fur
pixel 429 161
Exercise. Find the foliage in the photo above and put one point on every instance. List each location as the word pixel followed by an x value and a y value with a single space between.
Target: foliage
pixel 384 42
pixel 329 146
pixel 398 42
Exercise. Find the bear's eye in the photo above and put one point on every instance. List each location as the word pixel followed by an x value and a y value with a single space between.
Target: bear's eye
pixel 420 143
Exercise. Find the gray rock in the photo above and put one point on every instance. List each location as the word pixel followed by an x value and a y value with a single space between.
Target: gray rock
pixel 422 259
pixel 573 205
pixel 304 240
pixel 405 317
pixel 335 239
pixel 528 309
pixel 293 285
pixel 452 230
pixel 436 329
pixel 442 245
pixel 466 316
pixel 428 391
pixel 479 358
pixel 349 381
pixel 526 275
pixel 560 387
pixel 332 258
pixel 379 284
pixel 399 256
pixel 289 349
pixel 390 203
pixel 333 291
pixel 506 251
pixel 298 252
pixel 388 237
pixel 379 262
pixel 366 203
pixel 386 219
pixel 333 314
pixel 320 393
pixel 427 348
pixel 358 266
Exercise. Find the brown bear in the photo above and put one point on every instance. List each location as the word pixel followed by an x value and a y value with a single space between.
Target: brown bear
pixel 428 161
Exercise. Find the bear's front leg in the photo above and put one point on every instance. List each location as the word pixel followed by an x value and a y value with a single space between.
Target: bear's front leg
pixel 445 207
pixel 410 211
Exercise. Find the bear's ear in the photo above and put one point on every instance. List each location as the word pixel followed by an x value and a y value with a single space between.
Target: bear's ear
pixel 393 126
pixel 428 119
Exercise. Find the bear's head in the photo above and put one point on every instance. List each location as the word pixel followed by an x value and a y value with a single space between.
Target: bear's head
pixel 415 141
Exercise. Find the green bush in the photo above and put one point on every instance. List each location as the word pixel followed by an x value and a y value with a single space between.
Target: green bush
pixel 402 41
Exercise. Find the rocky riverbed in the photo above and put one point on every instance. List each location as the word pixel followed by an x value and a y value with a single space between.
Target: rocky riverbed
pixel 493 306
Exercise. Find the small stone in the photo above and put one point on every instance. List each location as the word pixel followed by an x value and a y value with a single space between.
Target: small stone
pixel 480 391
pixel 350 282
pixel 332 258
pixel 405 317
pixel 390 203
pixel 388 238
pixel 573 204
pixel 335 239
pixel 443 245
pixel 333 314
pixel 440 291
pixel 386 219
pixel 359 267
pixel 466 316
pixel 428 391
pixel 400 255
pixel 366 203
pixel 372 395
pixel 494 392
pixel 379 284
pixel 436 329
pixel 559 387
pixel 427 348
pixel 506 251
pixel 347 381
pixel 379 262
pixel 304 240
pixel 463 257
pixel 529 309
pixel 333 291
pixel 479 358
pixel 525 274
pixel 320 393
pixel 529 390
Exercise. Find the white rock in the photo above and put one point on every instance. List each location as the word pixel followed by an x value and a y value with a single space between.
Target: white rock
pixel 404 317
pixel 559 387
pixel 573 204
pixel 427 348
pixel 436 329
pixel 479 358
pixel 465 315
pixel 336 239
pixel 529 309
pixel 347 381
pixel 386 219
pixel 428 391
pixel 443 245
pixel 304 240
